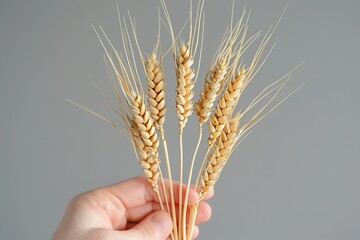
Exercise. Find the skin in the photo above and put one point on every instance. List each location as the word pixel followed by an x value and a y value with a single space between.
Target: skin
pixel 126 210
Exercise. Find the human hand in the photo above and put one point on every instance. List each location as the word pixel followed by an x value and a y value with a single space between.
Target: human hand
pixel 125 210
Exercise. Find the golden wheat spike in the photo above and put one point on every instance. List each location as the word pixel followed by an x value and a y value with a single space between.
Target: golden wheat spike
pixel 185 85
pixel 211 90
pixel 155 89
pixel 226 104
pixel 221 152
pixel 148 159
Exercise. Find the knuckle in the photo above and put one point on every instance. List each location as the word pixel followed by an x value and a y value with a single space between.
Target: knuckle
pixel 78 200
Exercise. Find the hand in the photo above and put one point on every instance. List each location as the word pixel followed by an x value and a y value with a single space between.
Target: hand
pixel 127 210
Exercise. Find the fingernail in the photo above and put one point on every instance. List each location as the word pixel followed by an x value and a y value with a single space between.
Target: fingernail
pixel 162 221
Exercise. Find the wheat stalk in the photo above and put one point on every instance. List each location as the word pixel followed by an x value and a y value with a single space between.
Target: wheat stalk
pixel 185 78
pixel 184 108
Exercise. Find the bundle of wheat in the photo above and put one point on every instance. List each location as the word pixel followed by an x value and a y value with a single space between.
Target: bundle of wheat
pixel 225 81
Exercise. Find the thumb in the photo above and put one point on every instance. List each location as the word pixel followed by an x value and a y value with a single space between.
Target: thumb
pixel 156 226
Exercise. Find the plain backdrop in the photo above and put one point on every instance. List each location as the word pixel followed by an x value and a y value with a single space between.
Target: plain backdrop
pixel 296 176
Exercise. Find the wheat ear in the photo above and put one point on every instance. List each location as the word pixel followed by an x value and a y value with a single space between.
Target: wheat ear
pixel 146 129
pixel 211 90
pixel 185 85
pixel 156 93
pixel 155 89
pixel 156 83
pixel 231 95
pixel 218 71
pixel 148 160
pixel 233 133
pixel 226 104
pixel 220 155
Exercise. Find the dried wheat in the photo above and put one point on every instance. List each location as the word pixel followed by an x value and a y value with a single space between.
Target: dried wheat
pixel 185 85
pixel 221 153
pixel 155 89
pixel 148 160
pixel 226 105
pixel 225 79
pixel 213 85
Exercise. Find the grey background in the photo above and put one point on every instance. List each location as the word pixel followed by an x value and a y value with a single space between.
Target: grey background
pixel 295 177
